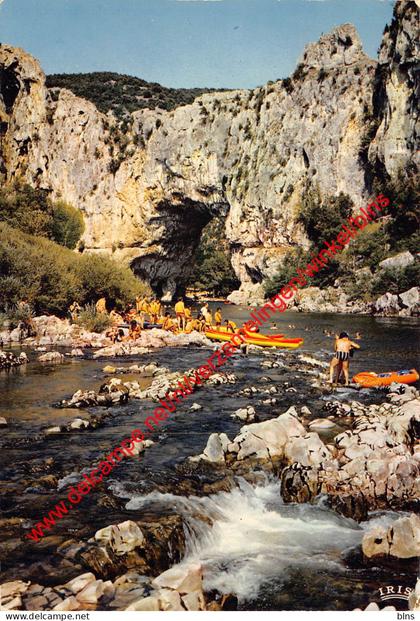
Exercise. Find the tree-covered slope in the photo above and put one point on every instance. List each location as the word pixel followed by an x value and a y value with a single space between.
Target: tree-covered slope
pixel 123 94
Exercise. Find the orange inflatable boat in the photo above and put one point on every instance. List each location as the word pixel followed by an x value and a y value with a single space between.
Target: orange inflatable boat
pixel 368 379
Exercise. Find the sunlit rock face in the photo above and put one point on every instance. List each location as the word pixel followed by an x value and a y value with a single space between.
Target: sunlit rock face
pixel 146 193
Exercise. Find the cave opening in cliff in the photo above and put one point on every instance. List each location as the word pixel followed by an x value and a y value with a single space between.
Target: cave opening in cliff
pixel 212 270
pixel 193 254
pixel 9 87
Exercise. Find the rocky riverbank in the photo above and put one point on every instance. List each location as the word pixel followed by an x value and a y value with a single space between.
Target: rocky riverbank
pixel 335 300
pixel 375 464
pixel 53 331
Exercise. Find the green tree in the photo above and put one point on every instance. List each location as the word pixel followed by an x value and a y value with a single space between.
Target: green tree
pixel 367 250
pixel 396 280
pixel 404 225
pixel 322 219
pixel 26 208
pixel 293 259
pixel 67 225
pixel 33 212
pixel 213 270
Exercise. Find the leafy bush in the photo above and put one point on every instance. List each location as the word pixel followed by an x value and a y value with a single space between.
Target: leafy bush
pixel 404 225
pixel 26 208
pixel 359 286
pixel 323 219
pixel 367 250
pixel 67 225
pixel 93 321
pixel 15 313
pixel 288 85
pixel 396 280
pixel 287 270
pixel 299 73
pixel 49 277
pixel 100 276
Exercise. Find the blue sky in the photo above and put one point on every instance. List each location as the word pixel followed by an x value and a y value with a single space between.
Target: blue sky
pixel 232 43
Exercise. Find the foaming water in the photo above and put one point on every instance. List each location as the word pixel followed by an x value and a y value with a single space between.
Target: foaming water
pixel 247 537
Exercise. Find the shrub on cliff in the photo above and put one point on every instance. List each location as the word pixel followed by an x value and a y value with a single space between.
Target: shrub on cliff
pixel 323 219
pixel 67 225
pixel 367 250
pixel 33 212
pixel 49 277
pixel 403 227
pixel 26 208
pixel 287 270
pixel 396 280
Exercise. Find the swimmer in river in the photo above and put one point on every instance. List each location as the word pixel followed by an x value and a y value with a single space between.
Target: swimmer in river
pixel 340 361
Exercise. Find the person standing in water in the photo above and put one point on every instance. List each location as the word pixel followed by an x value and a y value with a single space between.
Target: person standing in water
pixel 180 313
pixel 340 362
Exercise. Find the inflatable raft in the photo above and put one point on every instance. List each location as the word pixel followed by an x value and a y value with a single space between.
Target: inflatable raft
pixel 368 379
pixel 252 338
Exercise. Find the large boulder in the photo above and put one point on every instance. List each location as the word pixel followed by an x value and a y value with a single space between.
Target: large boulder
pixel 387 304
pixel 80 582
pixel 94 591
pixel 309 450
pixel 214 450
pixel 314 299
pixel 246 414
pixel 51 356
pixel 121 538
pixel 249 293
pixel 144 604
pixel 399 260
pixel 299 483
pixel 183 578
pixel 269 438
pixel 401 539
pixel 411 301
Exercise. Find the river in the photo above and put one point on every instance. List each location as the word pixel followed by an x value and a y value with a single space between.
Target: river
pixel 271 555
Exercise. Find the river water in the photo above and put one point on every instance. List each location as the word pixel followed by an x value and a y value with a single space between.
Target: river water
pixel 271 555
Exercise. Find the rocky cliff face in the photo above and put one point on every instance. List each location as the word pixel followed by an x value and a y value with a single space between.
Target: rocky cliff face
pixel 147 193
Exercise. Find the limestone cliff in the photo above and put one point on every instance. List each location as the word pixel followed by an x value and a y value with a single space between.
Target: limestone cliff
pixel 147 192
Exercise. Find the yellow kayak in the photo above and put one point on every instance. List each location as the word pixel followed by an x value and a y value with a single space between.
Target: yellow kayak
pixel 276 340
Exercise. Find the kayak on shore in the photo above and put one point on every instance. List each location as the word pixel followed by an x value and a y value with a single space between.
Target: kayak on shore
pixel 368 379
pixel 252 338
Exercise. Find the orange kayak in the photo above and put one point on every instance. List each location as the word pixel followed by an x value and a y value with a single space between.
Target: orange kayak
pixel 368 379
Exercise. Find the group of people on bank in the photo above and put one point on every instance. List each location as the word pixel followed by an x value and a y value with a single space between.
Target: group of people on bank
pixel 151 313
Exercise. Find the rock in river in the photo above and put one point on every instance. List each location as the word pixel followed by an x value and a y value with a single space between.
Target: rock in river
pixel 401 539
pixel 122 538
